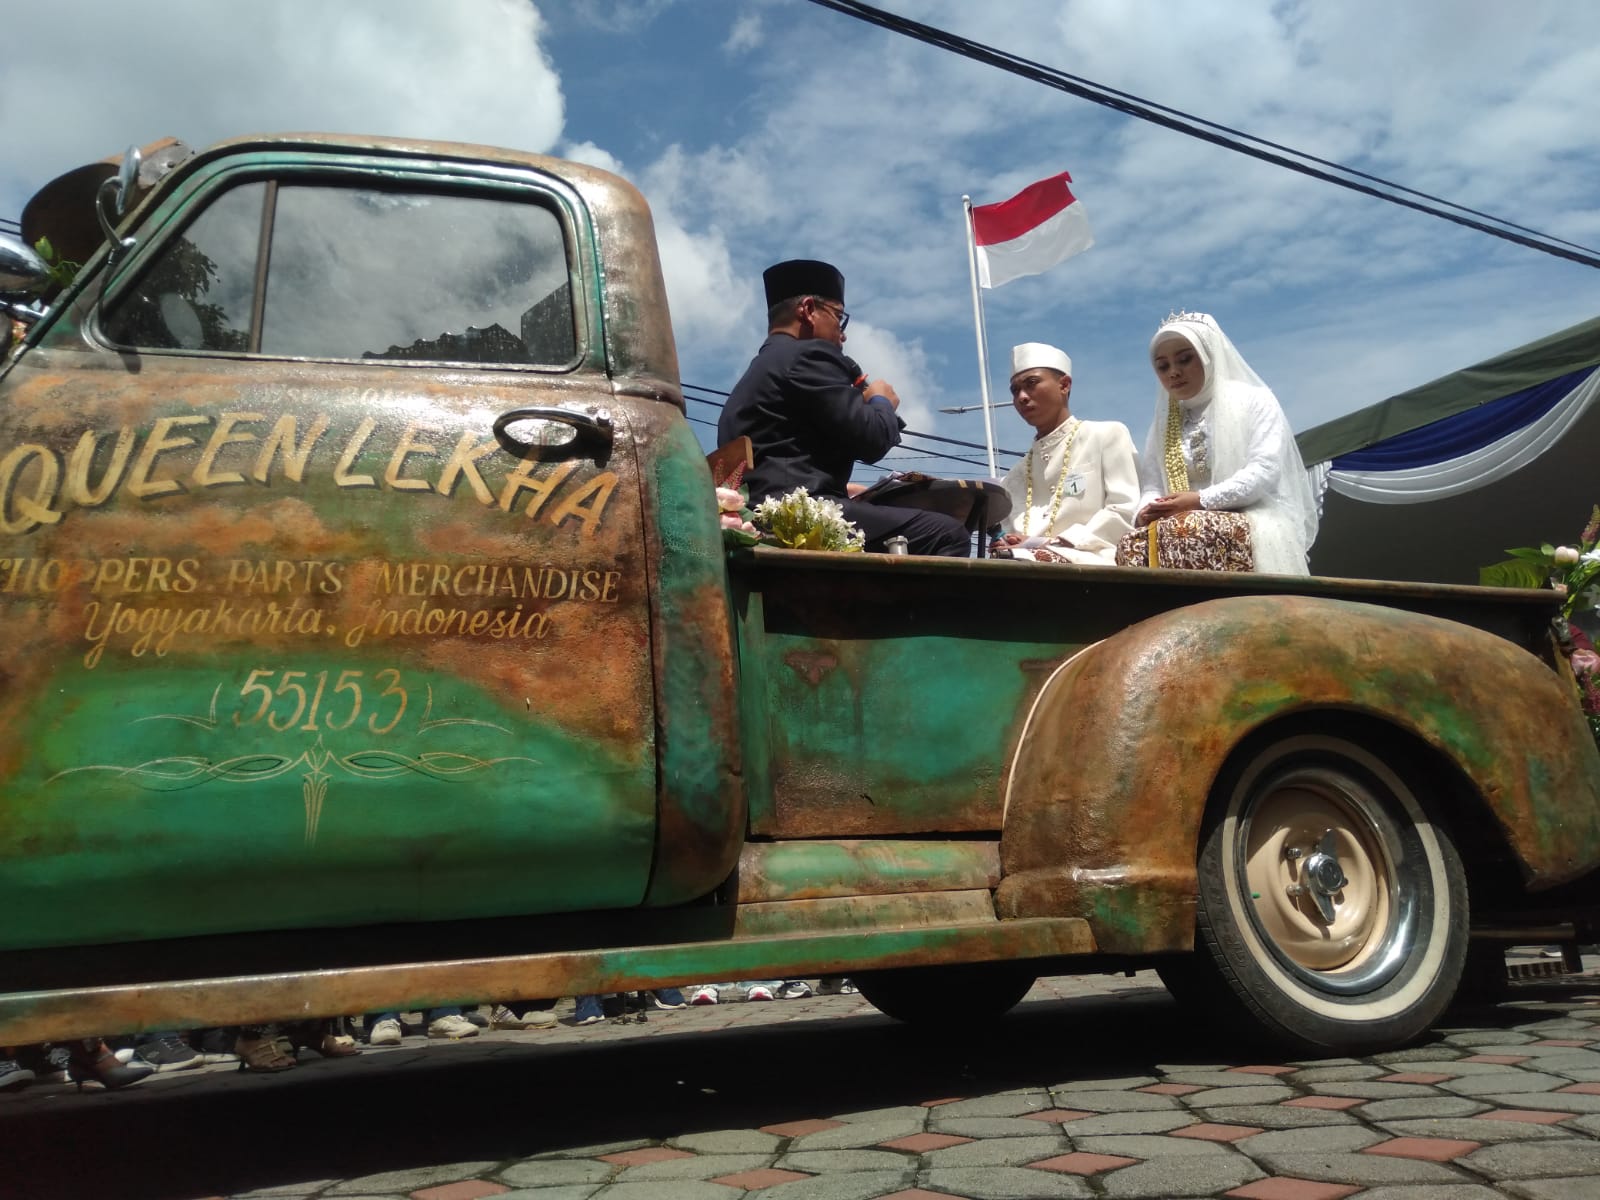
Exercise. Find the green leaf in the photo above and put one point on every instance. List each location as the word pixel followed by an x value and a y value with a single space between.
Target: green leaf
pixel 1513 573
pixel 45 249
pixel 1546 556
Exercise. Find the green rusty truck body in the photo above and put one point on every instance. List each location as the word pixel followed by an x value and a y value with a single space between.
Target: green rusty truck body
pixel 370 642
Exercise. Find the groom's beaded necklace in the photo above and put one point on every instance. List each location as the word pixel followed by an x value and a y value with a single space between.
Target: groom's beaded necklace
pixel 1061 483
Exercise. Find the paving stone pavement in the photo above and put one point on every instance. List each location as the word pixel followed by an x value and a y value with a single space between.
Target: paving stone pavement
pixel 1502 1101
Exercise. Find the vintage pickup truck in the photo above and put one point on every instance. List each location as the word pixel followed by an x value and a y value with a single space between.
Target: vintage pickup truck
pixel 371 642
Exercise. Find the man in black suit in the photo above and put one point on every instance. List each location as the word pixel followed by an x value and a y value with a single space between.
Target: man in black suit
pixel 811 415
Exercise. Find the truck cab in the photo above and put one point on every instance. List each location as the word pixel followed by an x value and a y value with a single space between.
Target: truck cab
pixel 271 570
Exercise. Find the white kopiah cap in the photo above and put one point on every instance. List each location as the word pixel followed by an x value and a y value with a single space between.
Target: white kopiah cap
pixel 1036 354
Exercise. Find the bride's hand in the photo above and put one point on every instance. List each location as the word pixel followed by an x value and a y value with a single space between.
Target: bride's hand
pixel 1166 506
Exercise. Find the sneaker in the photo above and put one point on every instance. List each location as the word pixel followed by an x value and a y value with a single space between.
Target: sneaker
pixel 535 1018
pixel 758 991
pixel 14 1075
pixel 794 989
pixel 385 1033
pixel 49 1064
pixel 217 1045
pixel 705 994
pixel 123 1056
pixel 667 998
pixel 589 1011
pixel 168 1052
pixel 476 1017
pixel 835 985
pixel 501 1017
pixel 453 1028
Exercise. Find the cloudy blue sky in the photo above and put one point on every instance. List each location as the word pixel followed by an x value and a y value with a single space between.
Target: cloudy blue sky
pixel 767 129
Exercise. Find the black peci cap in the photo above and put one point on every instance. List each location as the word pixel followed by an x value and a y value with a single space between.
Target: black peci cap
pixel 803 277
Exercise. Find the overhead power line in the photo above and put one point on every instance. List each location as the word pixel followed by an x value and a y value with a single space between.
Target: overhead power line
pixel 931 437
pixel 1217 134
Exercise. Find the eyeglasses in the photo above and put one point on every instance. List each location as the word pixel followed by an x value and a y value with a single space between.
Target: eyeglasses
pixel 838 315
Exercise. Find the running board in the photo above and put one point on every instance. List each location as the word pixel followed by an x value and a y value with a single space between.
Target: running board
pixel 60 1015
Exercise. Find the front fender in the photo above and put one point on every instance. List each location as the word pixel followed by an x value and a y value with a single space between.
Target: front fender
pixel 1117 761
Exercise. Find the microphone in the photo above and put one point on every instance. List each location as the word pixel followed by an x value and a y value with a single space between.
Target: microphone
pixel 858 377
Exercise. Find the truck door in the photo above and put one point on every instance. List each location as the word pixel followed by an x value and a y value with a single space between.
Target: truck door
pixel 296 637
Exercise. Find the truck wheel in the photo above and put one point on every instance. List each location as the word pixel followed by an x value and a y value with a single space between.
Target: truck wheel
pixel 925 995
pixel 1332 907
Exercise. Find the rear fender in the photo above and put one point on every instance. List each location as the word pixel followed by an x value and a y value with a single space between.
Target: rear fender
pixel 1115 765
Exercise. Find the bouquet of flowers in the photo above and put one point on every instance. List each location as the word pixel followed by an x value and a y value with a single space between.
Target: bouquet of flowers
pixel 1573 572
pixel 801 521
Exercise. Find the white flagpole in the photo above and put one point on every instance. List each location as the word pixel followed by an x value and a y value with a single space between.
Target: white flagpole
pixel 983 336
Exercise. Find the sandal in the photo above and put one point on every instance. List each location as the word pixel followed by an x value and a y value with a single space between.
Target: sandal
pixel 337 1045
pixel 262 1051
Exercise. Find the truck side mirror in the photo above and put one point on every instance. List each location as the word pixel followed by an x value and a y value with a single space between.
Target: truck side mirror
pixel 111 201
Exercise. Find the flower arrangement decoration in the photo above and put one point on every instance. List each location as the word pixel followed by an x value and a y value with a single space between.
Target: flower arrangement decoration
pixel 1573 573
pixel 733 511
pixel 1586 670
pixel 801 521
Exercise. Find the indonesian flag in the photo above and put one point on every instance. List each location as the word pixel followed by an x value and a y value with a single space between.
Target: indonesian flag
pixel 1030 233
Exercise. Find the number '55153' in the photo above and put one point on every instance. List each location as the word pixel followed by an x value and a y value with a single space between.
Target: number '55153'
pixel 297 700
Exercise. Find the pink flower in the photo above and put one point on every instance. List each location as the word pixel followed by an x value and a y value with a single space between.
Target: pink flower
pixel 729 500
pixel 731 520
pixel 1585 662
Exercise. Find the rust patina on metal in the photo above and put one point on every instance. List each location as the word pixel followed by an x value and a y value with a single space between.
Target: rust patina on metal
pixel 256 600
pixel 1121 751
pixel 886 695
pixel 814 870
pixel 319 677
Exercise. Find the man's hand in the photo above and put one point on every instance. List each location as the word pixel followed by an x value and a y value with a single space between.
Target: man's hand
pixel 854 489
pixel 1166 506
pixel 881 387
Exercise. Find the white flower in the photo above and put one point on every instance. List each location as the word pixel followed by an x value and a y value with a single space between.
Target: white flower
pixel 1565 555
pixel 802 521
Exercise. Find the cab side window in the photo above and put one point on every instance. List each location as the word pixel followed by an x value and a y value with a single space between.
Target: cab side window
pixel 197 294
pixel 359 273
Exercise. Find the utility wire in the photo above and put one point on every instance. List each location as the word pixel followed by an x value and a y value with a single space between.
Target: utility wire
pixel 1210 131
pixel 932 437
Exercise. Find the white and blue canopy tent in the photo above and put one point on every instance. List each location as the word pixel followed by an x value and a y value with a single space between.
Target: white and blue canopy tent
pixel 1441 480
